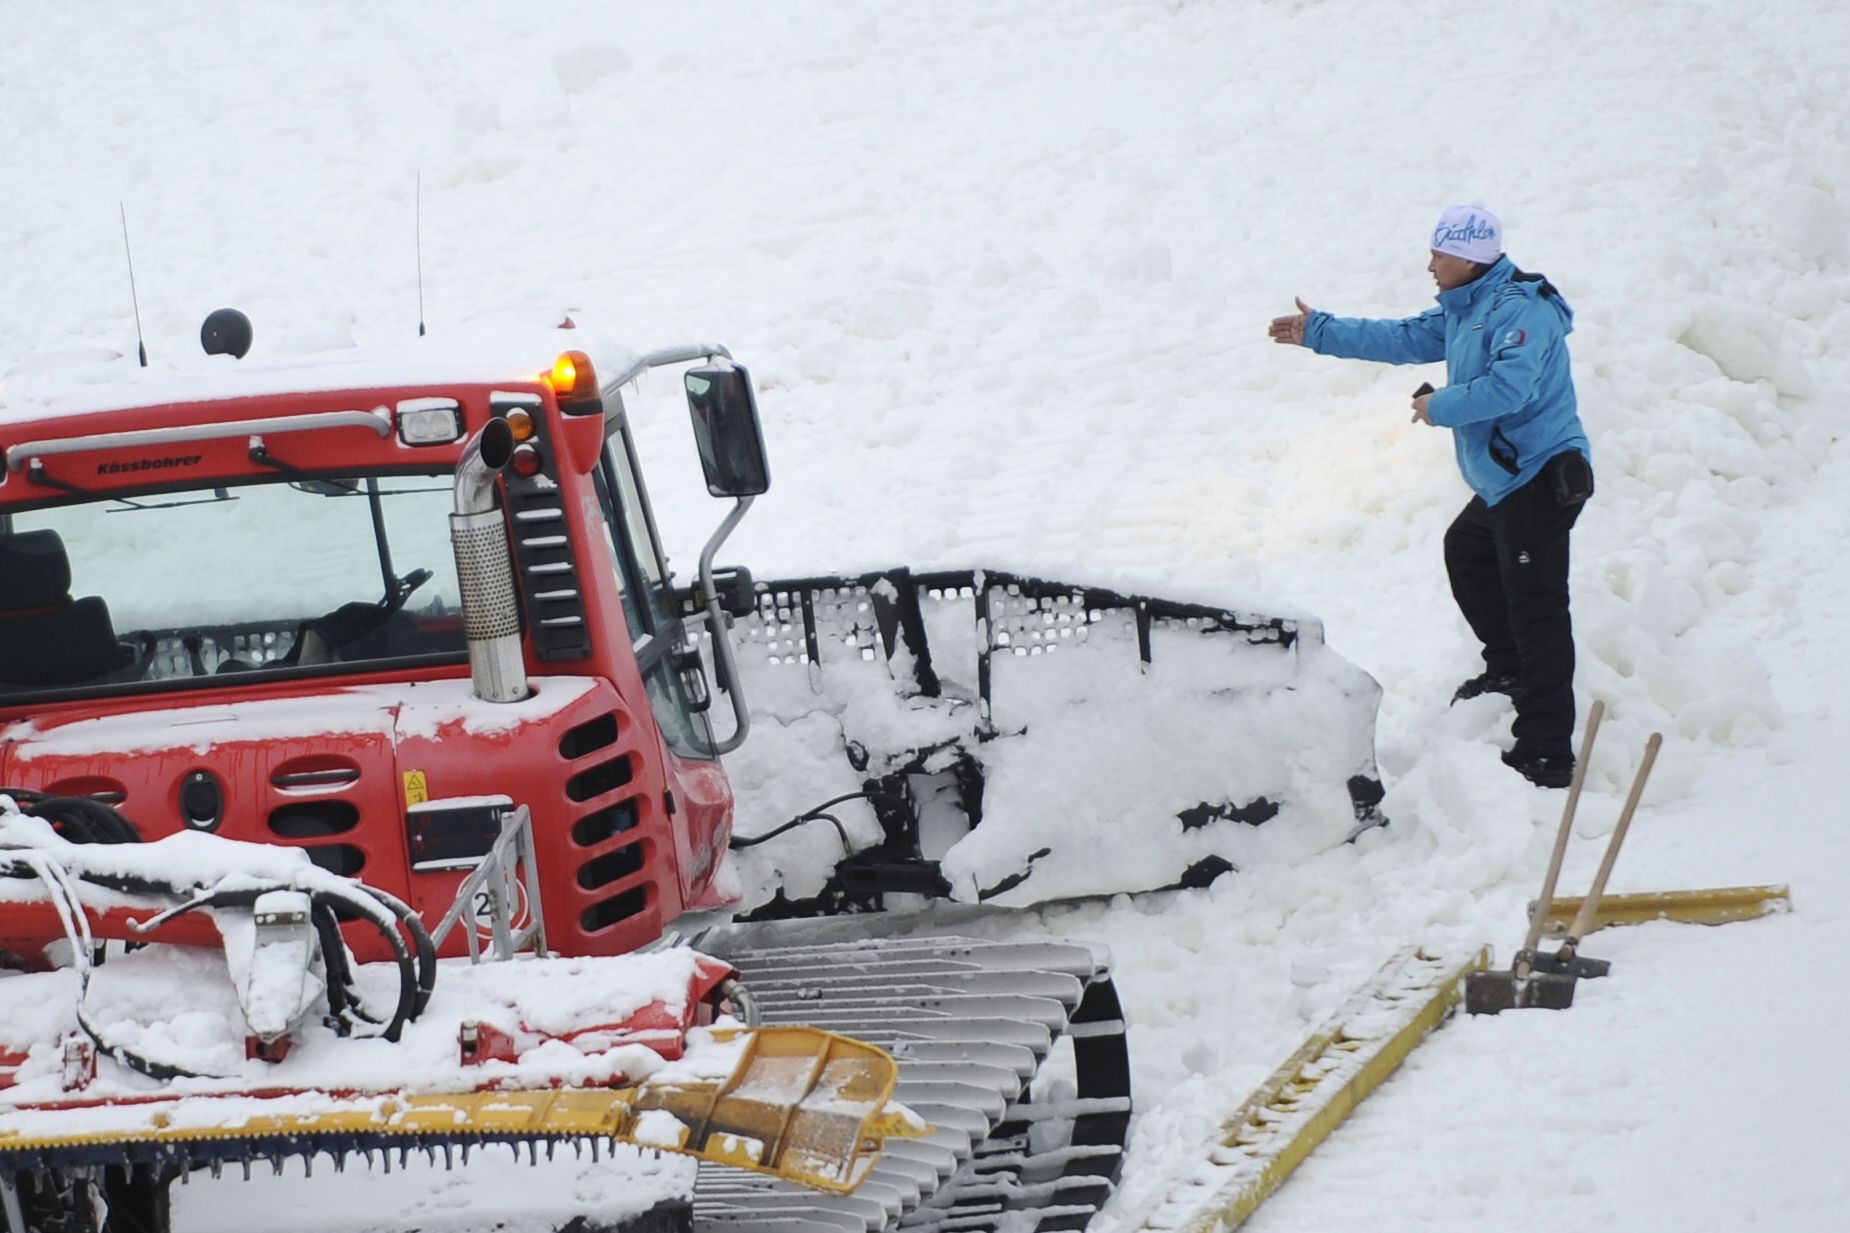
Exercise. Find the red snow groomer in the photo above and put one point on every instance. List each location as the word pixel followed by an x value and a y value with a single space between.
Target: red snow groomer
pixel 336 674
pixel 322 679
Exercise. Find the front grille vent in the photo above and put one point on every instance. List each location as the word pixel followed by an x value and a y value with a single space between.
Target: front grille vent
pixel 615 910
pixel 313 773
pixel 313 819
pixel 616 856
pixel 298 781
pixel 597 780
pixel 611 867
pixel 607 823
pixel 341 858
pixel 97 787
pixel 589 737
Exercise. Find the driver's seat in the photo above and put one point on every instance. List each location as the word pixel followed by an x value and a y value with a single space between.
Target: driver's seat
pixel 48 639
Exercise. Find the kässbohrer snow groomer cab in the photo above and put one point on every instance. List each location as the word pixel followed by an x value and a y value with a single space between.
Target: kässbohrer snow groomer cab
pixel 323 678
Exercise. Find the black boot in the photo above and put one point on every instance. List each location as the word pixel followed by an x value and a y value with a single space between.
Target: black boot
pixel 1542 770
pixel 1486 683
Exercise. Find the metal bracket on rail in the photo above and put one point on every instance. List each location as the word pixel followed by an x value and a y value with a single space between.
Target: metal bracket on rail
pixel 496 885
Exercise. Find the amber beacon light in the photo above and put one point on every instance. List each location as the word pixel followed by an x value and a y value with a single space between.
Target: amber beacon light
pixel 572 376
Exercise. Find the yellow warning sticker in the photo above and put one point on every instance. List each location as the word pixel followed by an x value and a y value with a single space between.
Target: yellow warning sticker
pixel 417 789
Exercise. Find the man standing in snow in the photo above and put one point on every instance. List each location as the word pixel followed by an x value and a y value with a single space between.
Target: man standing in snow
pixel 1509 401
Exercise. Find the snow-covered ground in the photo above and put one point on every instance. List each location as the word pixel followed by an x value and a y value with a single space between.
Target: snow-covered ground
pixel 1002 272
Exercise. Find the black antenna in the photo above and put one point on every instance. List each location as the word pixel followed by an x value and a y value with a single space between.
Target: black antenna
pixel 141 347
pixel 417 213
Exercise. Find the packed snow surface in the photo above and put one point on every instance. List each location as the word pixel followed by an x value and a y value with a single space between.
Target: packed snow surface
pixel 1001 273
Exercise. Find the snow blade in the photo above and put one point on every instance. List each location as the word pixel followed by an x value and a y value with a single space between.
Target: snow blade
pixel 796 1103
pixel 1018 740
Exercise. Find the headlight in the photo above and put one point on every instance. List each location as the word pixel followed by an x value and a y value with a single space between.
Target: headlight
pixel 429 421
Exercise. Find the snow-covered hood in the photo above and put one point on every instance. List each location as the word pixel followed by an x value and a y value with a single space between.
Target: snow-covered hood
pixel 291 767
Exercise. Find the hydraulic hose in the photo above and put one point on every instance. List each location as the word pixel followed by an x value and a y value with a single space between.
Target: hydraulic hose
pixel 420 939
pixel 819 813
pixel 80 820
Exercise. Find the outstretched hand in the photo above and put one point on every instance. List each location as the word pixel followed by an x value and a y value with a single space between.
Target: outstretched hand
pixel 1289 331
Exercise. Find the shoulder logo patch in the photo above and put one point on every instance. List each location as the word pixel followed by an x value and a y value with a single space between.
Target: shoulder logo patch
pixel 1515 338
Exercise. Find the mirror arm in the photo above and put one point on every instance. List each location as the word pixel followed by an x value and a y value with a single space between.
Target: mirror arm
pixel 671 355
pixel 716 625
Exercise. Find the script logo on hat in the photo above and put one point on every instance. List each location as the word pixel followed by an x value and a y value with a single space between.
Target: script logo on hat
pixel 1473 228
pixel 1469 231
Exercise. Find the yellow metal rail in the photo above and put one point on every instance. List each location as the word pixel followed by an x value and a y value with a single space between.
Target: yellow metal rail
pixel 1715 906
pixel 1318 1086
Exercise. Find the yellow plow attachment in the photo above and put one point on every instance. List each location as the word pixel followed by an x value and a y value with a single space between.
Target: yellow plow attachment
pixel 800 1104
pixel 806 1105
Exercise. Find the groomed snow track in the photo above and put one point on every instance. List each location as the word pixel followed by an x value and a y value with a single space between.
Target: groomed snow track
pixel 970 1022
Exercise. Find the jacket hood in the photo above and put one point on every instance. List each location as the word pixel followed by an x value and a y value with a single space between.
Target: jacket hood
pixel 1504 279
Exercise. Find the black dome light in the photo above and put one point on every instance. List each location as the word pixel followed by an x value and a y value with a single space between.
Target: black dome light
pixel 226 332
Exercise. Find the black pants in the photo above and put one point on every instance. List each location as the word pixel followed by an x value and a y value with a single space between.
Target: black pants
pixel 1508 567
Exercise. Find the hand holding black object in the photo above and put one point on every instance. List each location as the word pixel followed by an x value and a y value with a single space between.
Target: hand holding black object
pixel 1422 397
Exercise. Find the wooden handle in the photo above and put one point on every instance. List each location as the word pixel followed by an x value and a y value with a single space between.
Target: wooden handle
pixel 1540 915
pixel 1583 919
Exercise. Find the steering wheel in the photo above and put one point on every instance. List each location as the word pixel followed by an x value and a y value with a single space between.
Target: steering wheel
pixel 403 589
pixel 351 623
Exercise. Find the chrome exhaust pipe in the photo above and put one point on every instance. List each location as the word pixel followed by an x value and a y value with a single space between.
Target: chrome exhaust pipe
pixel 478 536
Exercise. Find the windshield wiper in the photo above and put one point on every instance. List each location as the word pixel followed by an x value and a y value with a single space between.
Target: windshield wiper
pixel 218 494
pixel 323 486
pixel 300 480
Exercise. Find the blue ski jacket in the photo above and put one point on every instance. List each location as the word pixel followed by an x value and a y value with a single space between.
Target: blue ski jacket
pixel 1509 400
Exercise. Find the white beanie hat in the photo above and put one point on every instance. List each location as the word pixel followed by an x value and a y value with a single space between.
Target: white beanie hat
pixel 1469 231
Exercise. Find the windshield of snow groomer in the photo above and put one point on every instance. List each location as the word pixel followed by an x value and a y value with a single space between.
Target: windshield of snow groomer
pixel 286 576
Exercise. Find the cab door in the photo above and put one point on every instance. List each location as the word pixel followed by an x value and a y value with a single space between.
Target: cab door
pixel 699 797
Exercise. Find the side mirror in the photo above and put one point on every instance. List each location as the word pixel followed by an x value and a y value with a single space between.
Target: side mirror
pixel 726 430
